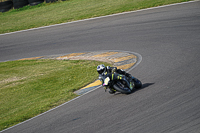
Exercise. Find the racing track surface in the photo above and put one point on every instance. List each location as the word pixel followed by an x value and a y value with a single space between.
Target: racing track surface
pixel 168 39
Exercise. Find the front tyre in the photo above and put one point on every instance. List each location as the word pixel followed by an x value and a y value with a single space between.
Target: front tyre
pixel 138 83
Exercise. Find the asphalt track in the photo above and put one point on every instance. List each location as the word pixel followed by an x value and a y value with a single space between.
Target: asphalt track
pixel 168 39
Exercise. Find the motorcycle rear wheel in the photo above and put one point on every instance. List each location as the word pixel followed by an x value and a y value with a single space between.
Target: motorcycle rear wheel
pixel 119 88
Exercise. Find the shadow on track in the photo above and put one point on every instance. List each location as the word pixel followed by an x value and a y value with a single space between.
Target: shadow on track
pixel 145 85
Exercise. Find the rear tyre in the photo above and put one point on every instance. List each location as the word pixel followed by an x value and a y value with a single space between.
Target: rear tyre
pixel 120 88
pixel 35 2
pixel 6 6
pixel 19 3
pixel 50 1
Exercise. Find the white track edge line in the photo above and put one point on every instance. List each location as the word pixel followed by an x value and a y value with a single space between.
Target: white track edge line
pixel 139 56
pixel 138 62
pixel 50 109
pixel 98 17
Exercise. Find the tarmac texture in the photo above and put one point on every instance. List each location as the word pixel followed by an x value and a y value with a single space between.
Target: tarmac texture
pixel 120 59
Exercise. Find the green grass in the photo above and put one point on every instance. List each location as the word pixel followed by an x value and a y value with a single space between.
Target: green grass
pixel 30 87
pixel 71 10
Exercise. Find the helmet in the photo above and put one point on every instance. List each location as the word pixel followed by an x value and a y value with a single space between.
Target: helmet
pixel 101 68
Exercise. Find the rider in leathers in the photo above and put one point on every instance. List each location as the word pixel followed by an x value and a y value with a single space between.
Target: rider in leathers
pixel 114 74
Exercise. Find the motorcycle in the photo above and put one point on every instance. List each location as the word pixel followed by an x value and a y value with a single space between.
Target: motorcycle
pixel 124 85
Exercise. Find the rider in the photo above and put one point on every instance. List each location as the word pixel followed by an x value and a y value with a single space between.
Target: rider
pixel 119 74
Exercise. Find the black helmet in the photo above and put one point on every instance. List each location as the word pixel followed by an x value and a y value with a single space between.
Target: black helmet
pixel 101 68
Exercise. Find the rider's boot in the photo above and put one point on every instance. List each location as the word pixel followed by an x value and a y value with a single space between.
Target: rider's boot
pixel 111 91
pixel 132 84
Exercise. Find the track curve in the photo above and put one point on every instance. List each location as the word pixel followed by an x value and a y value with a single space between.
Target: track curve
pixel 168 40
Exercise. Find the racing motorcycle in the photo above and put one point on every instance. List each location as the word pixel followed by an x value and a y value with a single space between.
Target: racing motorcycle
pixel 122 85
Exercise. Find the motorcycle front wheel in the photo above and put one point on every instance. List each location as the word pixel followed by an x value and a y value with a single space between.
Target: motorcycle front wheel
pixel 138 84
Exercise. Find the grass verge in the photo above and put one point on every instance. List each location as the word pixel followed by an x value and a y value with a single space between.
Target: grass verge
pixel 71 10
pixel 31 87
